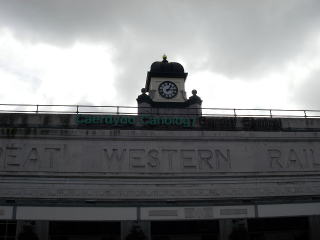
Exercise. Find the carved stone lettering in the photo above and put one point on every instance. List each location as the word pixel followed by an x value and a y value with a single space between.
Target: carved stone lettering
pixel 315 161
pixel 115 160
pixel 13 156
pixel 153 159
pixel 275 158
pixel 52 155
pixel 167 159
pixel 136 158
pixel 169 154
pixel 188 159
pixel 33 155
pixel 294 160
pixel 32 159
pixel 223 159
pixel 306 157
pixel 206 160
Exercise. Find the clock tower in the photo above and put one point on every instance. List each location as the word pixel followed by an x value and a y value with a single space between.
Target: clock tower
pixel 164 92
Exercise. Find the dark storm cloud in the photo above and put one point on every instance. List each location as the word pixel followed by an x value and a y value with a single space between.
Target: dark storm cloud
pixel 237 38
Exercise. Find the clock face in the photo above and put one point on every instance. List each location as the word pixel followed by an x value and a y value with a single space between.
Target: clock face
pixel 168 89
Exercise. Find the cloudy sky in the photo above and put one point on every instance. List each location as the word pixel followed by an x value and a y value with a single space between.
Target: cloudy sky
pixel 238 53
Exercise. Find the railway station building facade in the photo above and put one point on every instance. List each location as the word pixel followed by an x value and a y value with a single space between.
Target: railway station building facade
pixel 168 172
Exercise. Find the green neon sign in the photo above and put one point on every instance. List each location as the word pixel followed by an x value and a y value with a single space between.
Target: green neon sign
pixel 112 120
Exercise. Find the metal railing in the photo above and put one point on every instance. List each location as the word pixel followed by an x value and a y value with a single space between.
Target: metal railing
pixel 128 110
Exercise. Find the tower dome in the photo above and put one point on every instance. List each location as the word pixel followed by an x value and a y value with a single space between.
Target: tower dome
pixel 165 69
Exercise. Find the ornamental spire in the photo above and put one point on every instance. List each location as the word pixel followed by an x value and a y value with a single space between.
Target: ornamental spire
pixel 164 57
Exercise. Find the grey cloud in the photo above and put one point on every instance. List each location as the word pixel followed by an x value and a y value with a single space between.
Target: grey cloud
pixel 236 38
pixel 307 94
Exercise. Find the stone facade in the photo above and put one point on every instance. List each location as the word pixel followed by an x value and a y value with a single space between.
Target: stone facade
pixel 53 166
pixel 148 164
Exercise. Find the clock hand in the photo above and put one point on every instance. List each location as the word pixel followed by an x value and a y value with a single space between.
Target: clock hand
pixel 166 89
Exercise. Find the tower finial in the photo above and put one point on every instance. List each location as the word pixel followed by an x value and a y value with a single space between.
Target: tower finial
pixel 164 57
